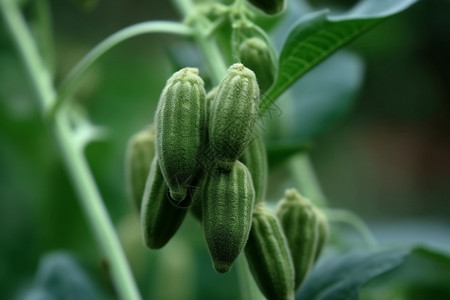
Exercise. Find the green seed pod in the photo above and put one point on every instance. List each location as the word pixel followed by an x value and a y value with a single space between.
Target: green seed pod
pixel 323 232
pixel 160 216
pixel 270 7
pixel 233 115
pixel 300 223
pixel 255 54
pixel 268 256
pixel 255 159
pixel 139 156
pixel 180 129
pixel 227 214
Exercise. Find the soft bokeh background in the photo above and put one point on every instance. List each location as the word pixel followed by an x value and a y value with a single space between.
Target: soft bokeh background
pixel 387 160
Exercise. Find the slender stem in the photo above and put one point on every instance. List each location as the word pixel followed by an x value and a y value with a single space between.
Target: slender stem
pixel 303 172
pixel 94 209
pixel 347 217
pixel 45 36
pixel 73 157
pixel 38 74
pixel 209 48
pixel 69 83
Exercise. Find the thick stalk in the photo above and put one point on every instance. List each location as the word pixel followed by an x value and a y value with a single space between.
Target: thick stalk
pixel 73 157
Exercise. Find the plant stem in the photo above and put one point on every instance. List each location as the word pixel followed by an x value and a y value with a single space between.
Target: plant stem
pixel 69 83
pixel 210 50
pixel 306 179
pixel 347 217
pixel 73 157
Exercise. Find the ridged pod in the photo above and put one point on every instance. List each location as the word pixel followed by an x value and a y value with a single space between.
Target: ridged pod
pixel 270 7
pixel 303 228
pixel 233 115
pixel 227 206
pixel 268 256
pixel 255 159
pixel 254 53
pixel 324 231
pixel 139 156
pixel 180 129
pixel 160 216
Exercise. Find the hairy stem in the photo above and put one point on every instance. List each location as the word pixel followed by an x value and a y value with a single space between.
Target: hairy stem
pixel 75 162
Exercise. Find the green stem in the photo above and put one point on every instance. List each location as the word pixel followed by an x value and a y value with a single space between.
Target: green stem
pixel 209 48
pixel 73 157
pixel 306 179
pixel 347 217
pixel 45 36
pixel 69 83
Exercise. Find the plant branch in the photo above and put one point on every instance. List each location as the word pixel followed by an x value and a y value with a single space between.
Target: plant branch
pixel 69 83
pixel 306 179
pixel 75 162
pixel 351 219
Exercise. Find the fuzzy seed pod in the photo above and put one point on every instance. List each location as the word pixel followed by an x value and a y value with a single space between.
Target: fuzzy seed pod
pixel 323 232
pixel 255 159
pixel 227 206
pixel 270 7
pixel 139 156
pixel 161 216
pixel 180 129
pixel 233 115
pixel 268 256
pixel 255 54
pixel 301 225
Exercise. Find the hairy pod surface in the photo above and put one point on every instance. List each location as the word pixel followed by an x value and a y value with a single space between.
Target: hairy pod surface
pixel 323 232
pixel 270 7
pixel 300 223
pixel 160 215
pixel 254 53
pixel 227 206
pixel 180 129
pixel 255 159
pixel 268 256
pixel 233 115
pixel 139 155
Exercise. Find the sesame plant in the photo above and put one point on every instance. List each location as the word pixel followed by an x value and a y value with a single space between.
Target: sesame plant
pixel 205 153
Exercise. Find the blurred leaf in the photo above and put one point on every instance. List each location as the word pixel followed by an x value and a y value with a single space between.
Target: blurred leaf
pixel 279 151
pixel 342 277
pixel 318 35
pixel 59 277
pixel 322 97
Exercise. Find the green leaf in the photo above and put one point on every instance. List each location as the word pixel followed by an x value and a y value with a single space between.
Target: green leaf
pixel 318 35
pixel 341 277
pixel 388 274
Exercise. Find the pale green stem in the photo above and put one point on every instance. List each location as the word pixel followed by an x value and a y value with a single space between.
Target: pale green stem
pixel 69 83
pixel 205 43
pixel 73 157
pixel 351 219
pixel 306 179
pixel 44 28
